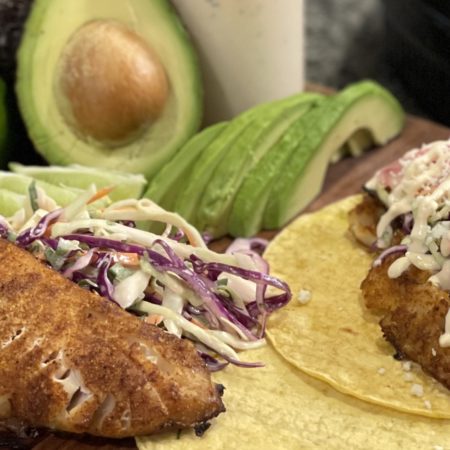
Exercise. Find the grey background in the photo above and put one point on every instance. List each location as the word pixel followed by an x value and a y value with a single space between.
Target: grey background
pixel 345 43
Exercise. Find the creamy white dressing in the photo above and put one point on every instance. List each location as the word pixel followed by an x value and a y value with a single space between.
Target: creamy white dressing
pixel 398 267
pixel 422 261
pixel 444 339
pixel 445 244
pixel 442 278
pixel 384 224
pixel 419 183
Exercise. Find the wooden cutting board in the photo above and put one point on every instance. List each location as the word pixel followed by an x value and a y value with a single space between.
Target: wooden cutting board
pixel 344 178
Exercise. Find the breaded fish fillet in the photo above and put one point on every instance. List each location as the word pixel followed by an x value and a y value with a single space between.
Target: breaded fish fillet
pixel 413 310
pixel 383 294
pixel 363 219
pixel 73 361
pixel 413 316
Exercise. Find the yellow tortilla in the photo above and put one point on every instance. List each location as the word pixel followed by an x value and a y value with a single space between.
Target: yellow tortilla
pixel 333 337
pixel 279 407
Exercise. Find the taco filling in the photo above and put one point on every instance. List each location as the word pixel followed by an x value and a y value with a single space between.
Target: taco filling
pixel 405 215
pixel 397 279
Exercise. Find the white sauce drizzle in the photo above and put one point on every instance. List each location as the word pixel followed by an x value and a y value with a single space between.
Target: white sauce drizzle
pixel 444 339
pixel 442 278
pixel 445 245
pixel 398 267
pixel 419 183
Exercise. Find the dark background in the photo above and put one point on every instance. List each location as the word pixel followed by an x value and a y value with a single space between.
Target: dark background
pixel 404 44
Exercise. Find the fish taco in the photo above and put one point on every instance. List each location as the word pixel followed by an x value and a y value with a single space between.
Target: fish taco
pixel 356 388
pixel 399 230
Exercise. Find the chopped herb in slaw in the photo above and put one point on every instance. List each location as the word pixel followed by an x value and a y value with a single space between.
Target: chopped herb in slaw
pixel 220 302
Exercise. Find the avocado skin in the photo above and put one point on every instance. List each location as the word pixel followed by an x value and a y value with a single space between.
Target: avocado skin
pixel 254 142
pixel 318 125
pixel 55 141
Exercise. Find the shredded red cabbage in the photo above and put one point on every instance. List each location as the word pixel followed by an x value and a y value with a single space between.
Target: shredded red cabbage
pixel 407 223
pixel 4 227
pixel 127 223
pixel 104 284
pixel 31 234
pixel 213 364
pixel 257 245
pixel 389 251
pixel 80 263
pixel 198 284
pixel 91 268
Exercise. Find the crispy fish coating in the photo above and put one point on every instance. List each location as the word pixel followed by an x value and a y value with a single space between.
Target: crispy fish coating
pixel 363 220
pixel 71 360
pixel 383 294
pixel 414 327
pixel 413 316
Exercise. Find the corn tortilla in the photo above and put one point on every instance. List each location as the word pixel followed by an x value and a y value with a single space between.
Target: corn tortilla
pixel 333 337
pixel 280 407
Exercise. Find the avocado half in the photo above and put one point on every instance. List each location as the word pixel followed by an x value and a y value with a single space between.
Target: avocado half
pixel 108 83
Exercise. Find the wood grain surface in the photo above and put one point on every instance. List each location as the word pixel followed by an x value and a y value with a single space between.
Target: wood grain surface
pixel 343 178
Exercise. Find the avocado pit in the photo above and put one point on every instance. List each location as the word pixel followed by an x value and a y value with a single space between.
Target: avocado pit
pixel 110 85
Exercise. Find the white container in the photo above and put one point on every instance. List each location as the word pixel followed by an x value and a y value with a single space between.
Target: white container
pixel 251 51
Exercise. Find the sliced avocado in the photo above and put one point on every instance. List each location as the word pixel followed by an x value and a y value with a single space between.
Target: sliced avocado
pixel 356 145
pixel 365 105
pixel 133 108
pixel 251 146
pixel 247 212
pixel 126 185
pixel 194 185
pixel 166 185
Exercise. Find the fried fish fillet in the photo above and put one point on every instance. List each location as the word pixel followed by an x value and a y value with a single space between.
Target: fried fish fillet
pixel 73 361
pixel 383 294
pixel 363 220
pixel 413 316
pixel 413 310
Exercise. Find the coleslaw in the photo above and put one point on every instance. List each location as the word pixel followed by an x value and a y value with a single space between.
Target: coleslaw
pixel 171 279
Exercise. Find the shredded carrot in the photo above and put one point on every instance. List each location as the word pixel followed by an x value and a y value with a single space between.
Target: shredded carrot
pixel 198 323
pixel 154 319
pixel 100 194
pixel 48 231
pixel 127 259
pixel 125 208
pixel 191 239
